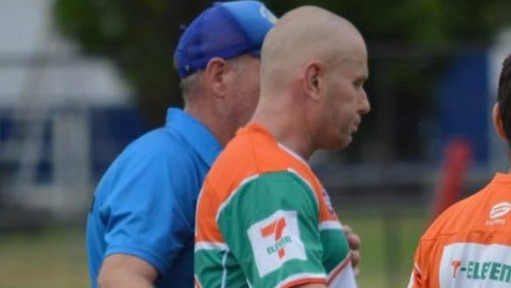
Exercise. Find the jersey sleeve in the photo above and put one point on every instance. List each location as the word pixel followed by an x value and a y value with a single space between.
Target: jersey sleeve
pixel 416 275
pixel 271 227
pixel 148 210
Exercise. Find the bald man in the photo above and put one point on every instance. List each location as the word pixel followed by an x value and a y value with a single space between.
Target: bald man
pixel 263 217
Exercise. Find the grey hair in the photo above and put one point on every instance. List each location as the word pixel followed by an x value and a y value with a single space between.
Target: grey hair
pixel 191 84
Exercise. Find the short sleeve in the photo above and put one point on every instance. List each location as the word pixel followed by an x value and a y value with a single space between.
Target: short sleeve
pixel 416 276
pixel 148 211
pixel 271 227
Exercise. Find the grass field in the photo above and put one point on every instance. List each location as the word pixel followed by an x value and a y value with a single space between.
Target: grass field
pixel 48 258
pixel 55 257
pixel 388 245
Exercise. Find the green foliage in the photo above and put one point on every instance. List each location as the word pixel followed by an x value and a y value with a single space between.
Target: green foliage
pixel 140 36
pixel 430 22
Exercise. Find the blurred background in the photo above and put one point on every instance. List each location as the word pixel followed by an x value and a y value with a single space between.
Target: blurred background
pixel 80 79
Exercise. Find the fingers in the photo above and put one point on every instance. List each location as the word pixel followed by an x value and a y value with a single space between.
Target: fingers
pixel 355 261
pixel 354 244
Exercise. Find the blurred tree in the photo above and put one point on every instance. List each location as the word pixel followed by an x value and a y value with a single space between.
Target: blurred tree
pixel 140 37
pixel 410 43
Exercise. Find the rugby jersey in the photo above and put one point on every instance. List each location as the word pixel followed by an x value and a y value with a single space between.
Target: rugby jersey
pixel 469 245
pixel 265 220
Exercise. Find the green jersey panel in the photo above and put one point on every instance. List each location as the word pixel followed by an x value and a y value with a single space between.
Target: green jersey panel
pixel 277 239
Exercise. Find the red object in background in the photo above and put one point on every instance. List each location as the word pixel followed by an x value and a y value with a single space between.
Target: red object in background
pixel 457 158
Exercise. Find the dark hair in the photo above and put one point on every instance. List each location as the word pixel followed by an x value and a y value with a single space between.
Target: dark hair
pixel 504 96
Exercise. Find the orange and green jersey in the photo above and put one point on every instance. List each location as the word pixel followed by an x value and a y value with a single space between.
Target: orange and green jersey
pixel 264 220
pixel 469 245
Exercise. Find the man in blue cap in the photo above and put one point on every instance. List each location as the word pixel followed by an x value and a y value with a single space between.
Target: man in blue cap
pixel 140 229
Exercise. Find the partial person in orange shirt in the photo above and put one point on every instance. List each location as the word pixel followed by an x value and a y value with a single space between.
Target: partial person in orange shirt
pixel 469 244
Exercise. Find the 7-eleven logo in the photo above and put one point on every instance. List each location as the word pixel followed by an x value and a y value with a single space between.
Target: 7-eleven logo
pixel 275 230
pixel 276 240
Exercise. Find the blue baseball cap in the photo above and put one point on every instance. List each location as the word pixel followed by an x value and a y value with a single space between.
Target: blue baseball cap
pixel 225 30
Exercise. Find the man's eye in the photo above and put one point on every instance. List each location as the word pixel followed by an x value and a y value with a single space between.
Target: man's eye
pixel 359 83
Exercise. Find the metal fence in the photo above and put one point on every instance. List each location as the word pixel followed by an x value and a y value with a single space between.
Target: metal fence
pixel 54 148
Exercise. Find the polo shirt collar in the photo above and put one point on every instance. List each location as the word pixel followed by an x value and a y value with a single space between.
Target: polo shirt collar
pixel 195 133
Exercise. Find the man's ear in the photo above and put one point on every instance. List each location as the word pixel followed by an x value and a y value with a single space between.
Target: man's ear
pixel 215 72
pixel 497 121
pixel 313 78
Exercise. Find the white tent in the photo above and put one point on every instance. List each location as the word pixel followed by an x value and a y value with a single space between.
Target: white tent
pixel 43 79
pixel 59 75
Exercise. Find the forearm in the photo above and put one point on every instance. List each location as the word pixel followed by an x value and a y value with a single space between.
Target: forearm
pixel 124 280
pixel 124 271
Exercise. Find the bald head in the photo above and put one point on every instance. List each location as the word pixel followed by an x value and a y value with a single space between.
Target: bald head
pixel 304 34
pixel 313 70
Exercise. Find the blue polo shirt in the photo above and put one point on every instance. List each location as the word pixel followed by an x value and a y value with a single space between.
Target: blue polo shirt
pixel 145 203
